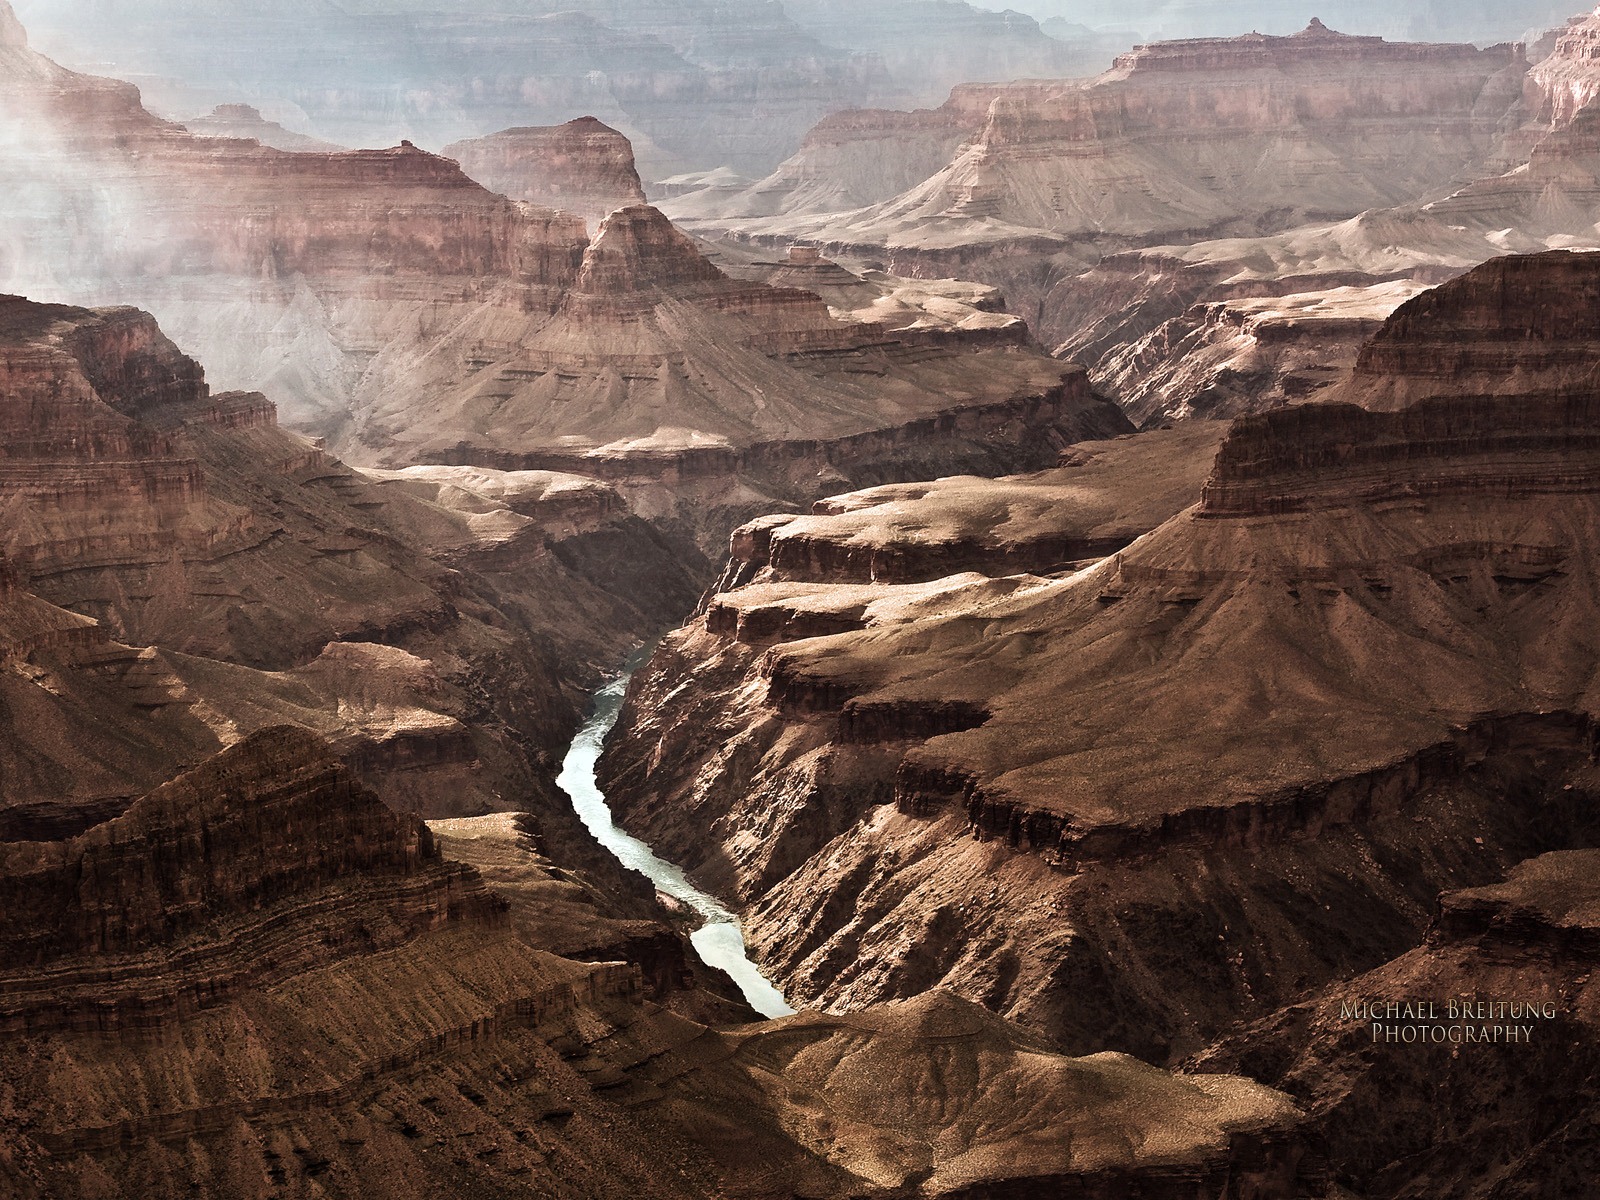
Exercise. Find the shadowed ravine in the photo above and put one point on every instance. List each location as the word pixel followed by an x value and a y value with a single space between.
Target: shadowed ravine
pixel 719 941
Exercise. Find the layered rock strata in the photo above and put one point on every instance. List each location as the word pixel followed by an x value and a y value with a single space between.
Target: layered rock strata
pixel 350 286
pixel 1135 803
pixel 681 78
pixel 178 564
pixel 260 978
pixel 1513 964
pixel 582 167
pixel 1166 145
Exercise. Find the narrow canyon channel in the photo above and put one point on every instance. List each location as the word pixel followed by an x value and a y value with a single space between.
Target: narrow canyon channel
pixel 719 940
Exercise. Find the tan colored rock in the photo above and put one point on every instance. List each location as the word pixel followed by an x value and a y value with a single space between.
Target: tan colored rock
pixel 583 167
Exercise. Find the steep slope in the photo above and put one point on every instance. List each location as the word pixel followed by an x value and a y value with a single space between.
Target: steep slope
pixel 1504 1020
pixel 1134 804
pixel 1201 327
pixel 439 641
pixel 409 315
pixel 1178 138
pixel 261 978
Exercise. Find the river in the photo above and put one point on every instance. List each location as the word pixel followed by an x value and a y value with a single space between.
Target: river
pixel 719 940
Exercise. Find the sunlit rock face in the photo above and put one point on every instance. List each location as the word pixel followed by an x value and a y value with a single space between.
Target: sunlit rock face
pixel 179 571
pixel 938 747
pixel 407 313
pixel 1178 139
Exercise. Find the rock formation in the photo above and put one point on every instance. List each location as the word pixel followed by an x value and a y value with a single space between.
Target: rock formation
pixel 243 121
pixel 681 78
pixel 259 977
pixel 410 314
pixel 181 571
pixel 583 167
pixel 1172 142
pixel 979 781
pixel 1513 963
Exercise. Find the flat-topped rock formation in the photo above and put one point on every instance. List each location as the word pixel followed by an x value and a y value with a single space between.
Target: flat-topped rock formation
pixel 1504 1020
pixel 1002 784
pixel 1112 493
pixel 261 977
pixel 1226 358
pixel 1492 330
pixel 409 314
pixel 681 78
pixel 582 167
pixel 1166 145
pixel 245 121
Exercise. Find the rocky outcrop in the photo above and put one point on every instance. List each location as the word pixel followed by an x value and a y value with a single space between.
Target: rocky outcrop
pixel 1166 146
pixel 273 816
pixel 270 584
pixel 1330 454
pixel 1501 1018
pixel 1040 523
pixel 681 78
pixel 582 167
pixel 1227 358
pixel 1019 787
pixel 1492 329
pixel 261 977
pixel 245 121
pixel 1563 84
pixel 352 286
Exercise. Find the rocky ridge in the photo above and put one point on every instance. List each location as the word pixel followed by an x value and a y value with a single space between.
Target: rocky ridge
pixel 260 977
pixel 1042 164
pixel 349 284
pixel 179 564
pixel 973 780
pixel 1514 955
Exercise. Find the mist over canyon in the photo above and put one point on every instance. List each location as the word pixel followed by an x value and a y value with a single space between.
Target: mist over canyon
pixel 698 599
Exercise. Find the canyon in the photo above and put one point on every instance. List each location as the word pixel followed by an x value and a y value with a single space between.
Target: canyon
pixel 1213 226
pixel 679 77
pixel 1140 782
pixel 352 285
pixel 1155 520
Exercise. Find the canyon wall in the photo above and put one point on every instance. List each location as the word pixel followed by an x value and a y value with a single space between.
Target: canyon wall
pixel 1056 792
pixel 261 978
pixel 353 286
pixel 583 167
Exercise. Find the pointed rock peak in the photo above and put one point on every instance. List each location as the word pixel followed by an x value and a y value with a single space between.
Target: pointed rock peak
pixel 637 248
pixel 12 34
pixel 1317 29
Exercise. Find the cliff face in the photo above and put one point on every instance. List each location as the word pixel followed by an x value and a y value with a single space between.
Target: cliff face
pixel 1020 785
pixel 1172 142
pixel 1225 358
pixel 199 847
pixel 259 977
pixel 1565 83
pixel 1521 953
pixel 269 584
pixel 681 78
pixel 1491 329
pixel 583 167
pixel 356 286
